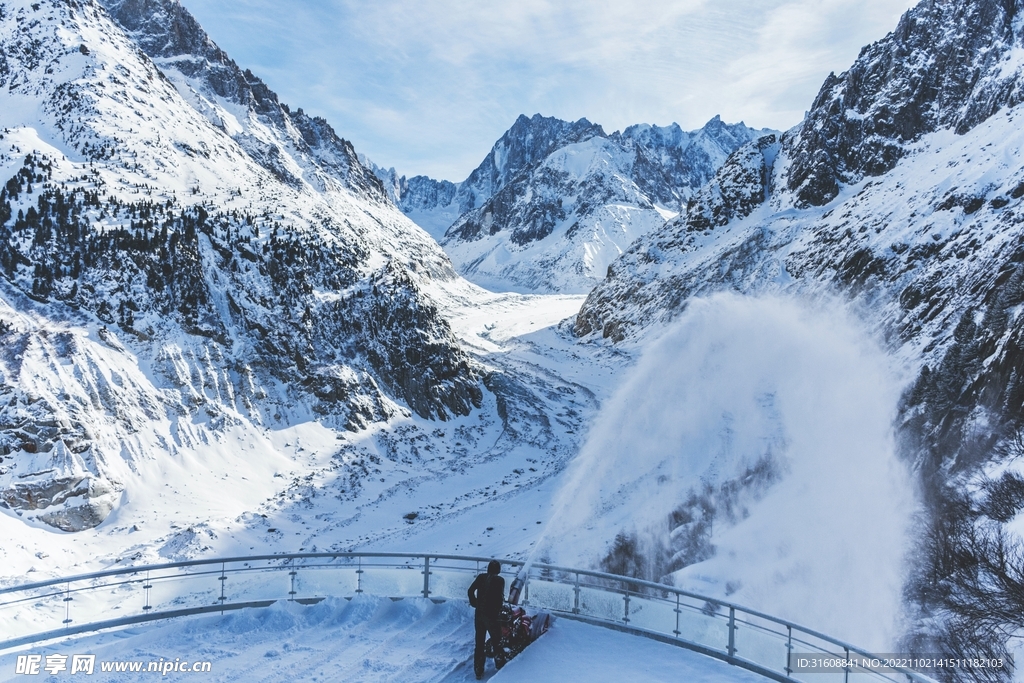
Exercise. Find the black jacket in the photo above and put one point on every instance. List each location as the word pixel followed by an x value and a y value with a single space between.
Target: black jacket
pixel 487 594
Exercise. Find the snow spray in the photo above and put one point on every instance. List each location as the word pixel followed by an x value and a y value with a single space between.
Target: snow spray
pixel 737 381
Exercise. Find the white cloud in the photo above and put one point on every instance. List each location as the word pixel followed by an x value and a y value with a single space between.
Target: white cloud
pixel 429 86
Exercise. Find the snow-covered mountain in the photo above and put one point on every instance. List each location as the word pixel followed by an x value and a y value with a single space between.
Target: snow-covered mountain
pixel 186 261
pixel 221 329
pixel 554 202
pixel 295 147
pixel 902 192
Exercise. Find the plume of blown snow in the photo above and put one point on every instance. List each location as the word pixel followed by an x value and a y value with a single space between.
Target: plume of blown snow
pixel 738 381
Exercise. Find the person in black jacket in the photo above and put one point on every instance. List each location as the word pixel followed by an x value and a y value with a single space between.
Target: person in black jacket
pixel 487 595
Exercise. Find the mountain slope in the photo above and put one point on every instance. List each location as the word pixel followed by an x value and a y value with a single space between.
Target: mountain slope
pixel 292 145
pixel 253 269
pixel 902 192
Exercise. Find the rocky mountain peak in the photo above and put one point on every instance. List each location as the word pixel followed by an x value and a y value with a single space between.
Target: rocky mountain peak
pixel 181 48
pixel 528 142
pixel 948 64
pixel 570 199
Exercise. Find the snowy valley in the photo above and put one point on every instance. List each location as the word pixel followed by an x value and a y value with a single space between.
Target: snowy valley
pixel 709 358
pixel 194 307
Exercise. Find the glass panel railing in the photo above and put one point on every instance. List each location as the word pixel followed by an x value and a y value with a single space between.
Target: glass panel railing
pixel 392 582
pixel 257 583
pixel 547 595
pixel 762 642
pixel 600 603
pixel 184 591
pixel 84 601
pixel 451 583
pixel 323 581
pixel 703 623
pixel 32 611
pixel 652 614
pixel 121 598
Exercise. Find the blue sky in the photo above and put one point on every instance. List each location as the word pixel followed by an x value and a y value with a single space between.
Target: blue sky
pixel 428 86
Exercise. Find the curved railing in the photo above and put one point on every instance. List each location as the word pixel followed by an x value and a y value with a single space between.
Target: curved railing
pixel 761 643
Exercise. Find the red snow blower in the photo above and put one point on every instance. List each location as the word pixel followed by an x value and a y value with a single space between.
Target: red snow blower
pixel 518 629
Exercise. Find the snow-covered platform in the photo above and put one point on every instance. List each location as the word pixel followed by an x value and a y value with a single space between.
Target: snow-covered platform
pixel 311 616
pixel 372 639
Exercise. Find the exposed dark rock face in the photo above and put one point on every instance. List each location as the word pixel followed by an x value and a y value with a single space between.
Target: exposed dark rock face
pixel 408 345
pixel 533 220
pixel 527 143
pixel 740 186
pixel 95 499
pixel 940 68
pixel 421 192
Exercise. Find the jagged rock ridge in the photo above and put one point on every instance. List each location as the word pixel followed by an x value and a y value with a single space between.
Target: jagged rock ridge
pixel 274 136
pixel 923 77
pixel 554 202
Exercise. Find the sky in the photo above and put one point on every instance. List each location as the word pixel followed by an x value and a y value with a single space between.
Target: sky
pixel 428 86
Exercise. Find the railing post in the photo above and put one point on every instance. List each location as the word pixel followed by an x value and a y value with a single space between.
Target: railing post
pixel 846 669
pixel 222 578
pixel 292 593
pixel 359 576
pixel 426 576
pixel 67 605
pixel 625 618
pixel 146 586
pixel 576 595
pixel 732 631
pixel 678 610
pixel 789 650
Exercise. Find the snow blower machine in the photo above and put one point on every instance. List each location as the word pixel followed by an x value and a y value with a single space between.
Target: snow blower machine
pixel 518 628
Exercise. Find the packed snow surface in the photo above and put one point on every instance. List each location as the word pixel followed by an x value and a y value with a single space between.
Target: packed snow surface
pixel 374 640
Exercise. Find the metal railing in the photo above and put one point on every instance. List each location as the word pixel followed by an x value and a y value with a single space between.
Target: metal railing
pixel 58 608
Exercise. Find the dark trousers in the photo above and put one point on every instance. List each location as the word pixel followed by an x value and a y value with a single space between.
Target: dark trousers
pixel 484 626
